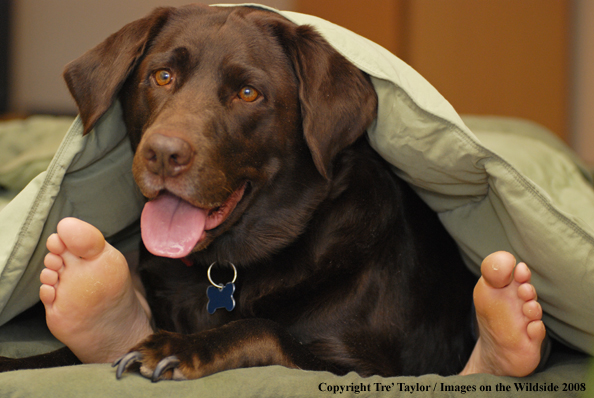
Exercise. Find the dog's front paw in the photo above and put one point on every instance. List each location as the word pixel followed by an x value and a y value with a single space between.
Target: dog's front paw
pixel 162 356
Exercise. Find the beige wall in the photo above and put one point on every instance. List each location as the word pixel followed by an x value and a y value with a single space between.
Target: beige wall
pixel 583 90
pixel 50 33
pixel 502 57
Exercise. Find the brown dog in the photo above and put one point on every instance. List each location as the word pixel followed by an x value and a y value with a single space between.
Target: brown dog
pixel 248 133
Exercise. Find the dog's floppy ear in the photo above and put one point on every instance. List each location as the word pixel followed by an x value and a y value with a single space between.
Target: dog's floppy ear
pixel 338 101
pixel 95 78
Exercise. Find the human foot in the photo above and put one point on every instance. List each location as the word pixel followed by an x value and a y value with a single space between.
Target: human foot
pixel 90 303
pixel 511 331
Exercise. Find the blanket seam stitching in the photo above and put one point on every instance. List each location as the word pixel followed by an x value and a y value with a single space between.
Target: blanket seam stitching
pixel 51 171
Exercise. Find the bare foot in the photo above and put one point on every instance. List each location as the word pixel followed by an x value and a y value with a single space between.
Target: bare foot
pixel 90 303
pixel 509 318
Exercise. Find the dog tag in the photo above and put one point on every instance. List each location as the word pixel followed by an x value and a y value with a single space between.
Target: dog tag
pixel 220 296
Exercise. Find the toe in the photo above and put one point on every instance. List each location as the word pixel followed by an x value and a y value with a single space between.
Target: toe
pixel 55 245
pixel 536 331
pixel 81 238
pixel 526 292
pixel 47 294
pixel 497 269
pixel 48 277
pixel 53 262
pixel 522 273
pixel 532 310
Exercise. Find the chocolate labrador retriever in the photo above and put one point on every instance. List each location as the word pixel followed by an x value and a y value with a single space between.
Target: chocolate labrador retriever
pixel 249 140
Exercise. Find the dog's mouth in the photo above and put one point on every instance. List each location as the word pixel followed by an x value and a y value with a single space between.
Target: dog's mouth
pixel 172 227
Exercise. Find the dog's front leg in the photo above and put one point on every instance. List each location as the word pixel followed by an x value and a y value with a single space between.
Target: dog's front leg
pixel 239 344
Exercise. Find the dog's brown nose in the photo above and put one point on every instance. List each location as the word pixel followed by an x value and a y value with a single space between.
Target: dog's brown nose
pixel 167 156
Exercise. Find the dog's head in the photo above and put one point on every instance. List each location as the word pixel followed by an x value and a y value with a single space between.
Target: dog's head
pixel 236 116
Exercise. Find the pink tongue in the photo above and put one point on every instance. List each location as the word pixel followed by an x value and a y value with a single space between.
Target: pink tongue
pixel 170 226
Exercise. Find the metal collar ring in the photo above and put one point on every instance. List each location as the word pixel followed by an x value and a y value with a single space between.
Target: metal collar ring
pixel 221 286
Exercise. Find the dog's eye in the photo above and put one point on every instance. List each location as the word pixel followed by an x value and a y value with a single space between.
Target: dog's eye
pixel 162 77
pixel 248 94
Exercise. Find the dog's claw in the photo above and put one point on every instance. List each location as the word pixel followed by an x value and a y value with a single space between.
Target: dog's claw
pixel 164 365
pixel 126 361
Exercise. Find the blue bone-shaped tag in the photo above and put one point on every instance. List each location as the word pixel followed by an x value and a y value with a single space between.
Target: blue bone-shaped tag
pixel 220 298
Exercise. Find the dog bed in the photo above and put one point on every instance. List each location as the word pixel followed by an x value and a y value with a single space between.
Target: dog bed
pixel 496 183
